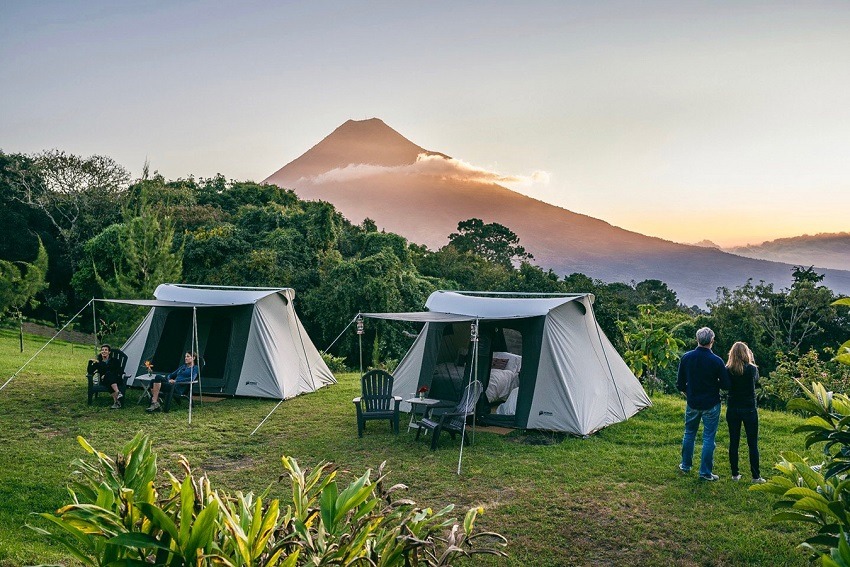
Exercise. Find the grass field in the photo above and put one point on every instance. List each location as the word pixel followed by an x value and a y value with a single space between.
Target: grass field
pixel 615 498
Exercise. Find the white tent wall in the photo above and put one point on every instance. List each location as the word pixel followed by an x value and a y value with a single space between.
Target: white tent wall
pixel 277 364
pixel 406 374
pixel 135 346
pixel 579 368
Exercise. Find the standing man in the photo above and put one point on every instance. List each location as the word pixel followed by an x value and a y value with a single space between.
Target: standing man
pixel 701 376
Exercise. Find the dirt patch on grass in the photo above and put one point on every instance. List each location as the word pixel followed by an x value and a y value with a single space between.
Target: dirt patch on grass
pixel 227 463
pixel 47 431
pixel 529 437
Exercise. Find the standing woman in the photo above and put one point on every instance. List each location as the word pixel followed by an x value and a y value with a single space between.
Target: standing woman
pixel 742 409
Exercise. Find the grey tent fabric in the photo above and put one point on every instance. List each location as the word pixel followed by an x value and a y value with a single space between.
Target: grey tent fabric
pixel 250 339
pixel 571 380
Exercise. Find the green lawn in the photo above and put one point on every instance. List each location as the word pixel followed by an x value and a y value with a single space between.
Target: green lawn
pixel 613 499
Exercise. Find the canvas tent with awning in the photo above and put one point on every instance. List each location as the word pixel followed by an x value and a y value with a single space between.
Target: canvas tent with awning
pixel 250 340
pixel 568 377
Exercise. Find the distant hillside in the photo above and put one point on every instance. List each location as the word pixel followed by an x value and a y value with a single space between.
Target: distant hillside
pixel 367 169
pixel 820 250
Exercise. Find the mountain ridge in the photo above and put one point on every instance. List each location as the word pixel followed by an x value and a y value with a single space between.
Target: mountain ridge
pixel 367 169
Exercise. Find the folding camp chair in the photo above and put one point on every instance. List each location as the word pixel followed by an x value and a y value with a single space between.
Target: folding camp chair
pixel 453 420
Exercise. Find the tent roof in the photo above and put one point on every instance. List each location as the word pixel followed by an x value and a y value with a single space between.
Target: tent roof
pixel 175 295
pixel 453 306
pixel 494 306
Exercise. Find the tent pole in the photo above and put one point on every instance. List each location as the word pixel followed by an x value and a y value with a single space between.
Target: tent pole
pixel 47 343
pixel 94 323
pixel 360 331
pixel 197 360
pixel 473 337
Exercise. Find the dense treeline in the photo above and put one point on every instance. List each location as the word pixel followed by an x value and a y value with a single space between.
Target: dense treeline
pixel 107 236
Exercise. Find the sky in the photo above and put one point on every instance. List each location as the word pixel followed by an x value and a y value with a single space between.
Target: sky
pixel 726 121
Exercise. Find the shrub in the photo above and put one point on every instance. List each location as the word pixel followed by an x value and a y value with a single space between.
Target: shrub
pixel 118 517
pixel 335 363
pixel 818 494
pixel 783 384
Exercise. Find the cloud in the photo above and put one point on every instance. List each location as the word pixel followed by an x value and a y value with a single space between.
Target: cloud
pixel 434 166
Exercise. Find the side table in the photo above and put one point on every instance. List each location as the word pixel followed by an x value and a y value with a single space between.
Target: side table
pixel 145 381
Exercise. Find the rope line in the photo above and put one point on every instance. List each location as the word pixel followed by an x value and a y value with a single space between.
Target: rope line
pixel 45 344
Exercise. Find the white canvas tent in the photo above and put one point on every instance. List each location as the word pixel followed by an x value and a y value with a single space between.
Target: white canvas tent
pixel 568 377
pixel 250 340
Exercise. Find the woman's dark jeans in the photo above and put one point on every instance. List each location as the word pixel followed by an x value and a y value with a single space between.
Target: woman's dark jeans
pixel 749 417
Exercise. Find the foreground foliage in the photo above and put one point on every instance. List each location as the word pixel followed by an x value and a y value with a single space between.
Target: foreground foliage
pixel 818 494
pixel 118 517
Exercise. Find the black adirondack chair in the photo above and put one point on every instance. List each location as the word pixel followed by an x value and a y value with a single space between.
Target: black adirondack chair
pixel 453 420
pixel 95 389
pixel 376 400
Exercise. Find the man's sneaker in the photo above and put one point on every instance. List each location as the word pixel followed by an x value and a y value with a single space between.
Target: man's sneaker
pixel 736 477
pixel 759 480
pixel 683 470
pixel 153 407
pixel 120 395
pixel 116 405
pixel 709 477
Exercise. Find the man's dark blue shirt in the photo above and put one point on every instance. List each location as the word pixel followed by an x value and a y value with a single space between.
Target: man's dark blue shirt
pixel 701 376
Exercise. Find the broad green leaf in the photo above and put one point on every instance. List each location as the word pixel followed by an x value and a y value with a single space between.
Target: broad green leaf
pixel 203 530
pixel 137 540
pixel 159 518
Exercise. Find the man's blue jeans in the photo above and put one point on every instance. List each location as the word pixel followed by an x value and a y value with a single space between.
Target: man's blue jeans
pixel 710 418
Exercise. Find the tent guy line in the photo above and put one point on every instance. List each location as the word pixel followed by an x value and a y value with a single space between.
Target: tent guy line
pixel 44 346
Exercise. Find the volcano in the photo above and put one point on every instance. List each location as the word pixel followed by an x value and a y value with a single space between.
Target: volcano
pixel 368 170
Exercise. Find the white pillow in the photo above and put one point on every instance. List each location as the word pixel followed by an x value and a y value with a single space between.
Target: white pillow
pixel 514 360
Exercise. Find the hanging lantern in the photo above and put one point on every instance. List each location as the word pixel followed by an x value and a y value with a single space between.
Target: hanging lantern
pixel 473 332
pixel 360 330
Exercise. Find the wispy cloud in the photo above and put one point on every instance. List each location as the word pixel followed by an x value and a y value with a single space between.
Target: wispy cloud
pixel 434 166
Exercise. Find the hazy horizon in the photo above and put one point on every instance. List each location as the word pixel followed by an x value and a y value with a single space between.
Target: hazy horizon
pixel 686 121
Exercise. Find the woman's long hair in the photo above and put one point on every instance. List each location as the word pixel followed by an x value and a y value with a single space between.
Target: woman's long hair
pixel 740 356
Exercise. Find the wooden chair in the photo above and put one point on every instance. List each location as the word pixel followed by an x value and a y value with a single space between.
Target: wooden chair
pixel 95 389
pixel 453 420
pixel 376 400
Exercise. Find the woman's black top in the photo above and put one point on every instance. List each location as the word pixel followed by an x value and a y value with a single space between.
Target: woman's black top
pixel 742 389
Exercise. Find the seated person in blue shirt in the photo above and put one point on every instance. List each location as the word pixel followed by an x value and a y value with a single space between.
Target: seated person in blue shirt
pixel 183 375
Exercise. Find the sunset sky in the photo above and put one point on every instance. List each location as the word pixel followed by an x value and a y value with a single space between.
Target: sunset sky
pixel 727 121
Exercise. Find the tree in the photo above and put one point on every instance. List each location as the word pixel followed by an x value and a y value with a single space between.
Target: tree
pixel 21 281
pixel 453 269
pixel 495 242
pixel 79 195
pixel 843 354
pixel 145 259
pixel 650 343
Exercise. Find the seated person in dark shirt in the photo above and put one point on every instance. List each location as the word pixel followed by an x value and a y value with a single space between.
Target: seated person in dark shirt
pixel 183 375
pixel 108 370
